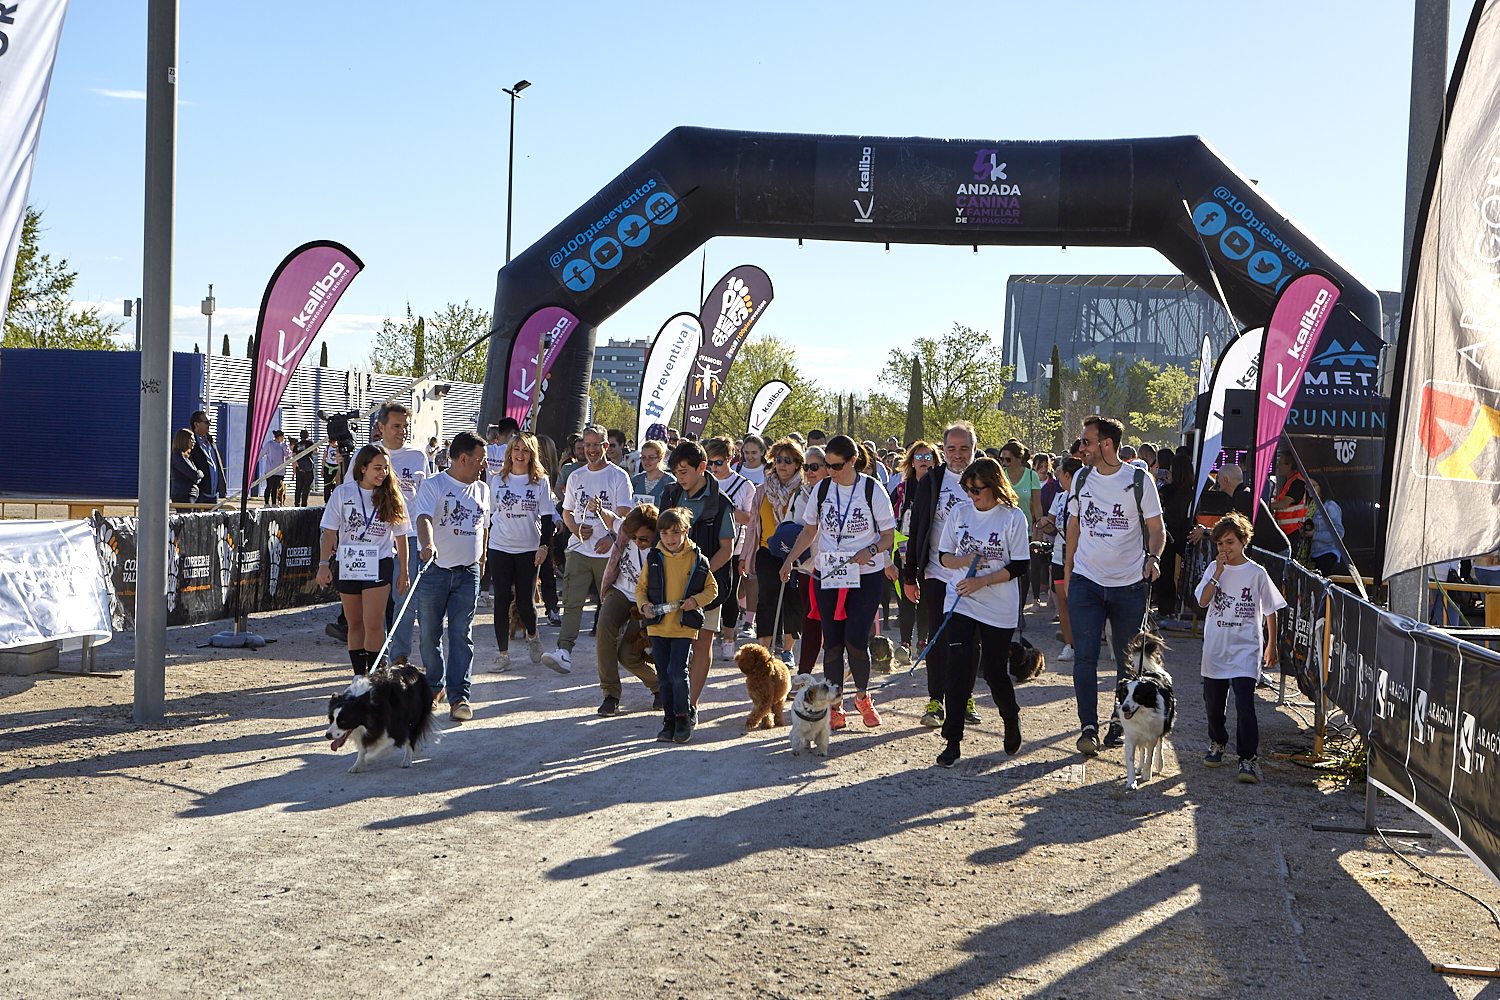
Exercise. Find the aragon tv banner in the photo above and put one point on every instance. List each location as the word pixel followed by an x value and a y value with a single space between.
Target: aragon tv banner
pixel 934 183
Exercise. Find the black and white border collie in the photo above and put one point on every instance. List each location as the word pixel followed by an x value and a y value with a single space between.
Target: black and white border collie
pixel 1146 707
pixel 388 707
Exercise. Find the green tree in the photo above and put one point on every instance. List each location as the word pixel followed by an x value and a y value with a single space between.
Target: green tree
pixel 1054 398
pixel 611 409
pixel 1168 394
pixel 442 337
pixel 225 352
pixel 40 310
pixel 915 427
pixel 322 355
pixel 962 377
pixel 761 360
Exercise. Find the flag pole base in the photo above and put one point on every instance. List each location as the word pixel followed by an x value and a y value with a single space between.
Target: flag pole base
pixel 1370 831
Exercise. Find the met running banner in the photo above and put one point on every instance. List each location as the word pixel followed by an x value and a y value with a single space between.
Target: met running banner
pixel 767 401
pixel 29 34
pixel 667 366
pixel 1445 456
pixel 1238 368
pixel 734 304
pixel 299 298
pixel 1297 321
pixel 546 329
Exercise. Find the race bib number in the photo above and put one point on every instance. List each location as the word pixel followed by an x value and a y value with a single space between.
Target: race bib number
pixel 837 571
pixel 359 562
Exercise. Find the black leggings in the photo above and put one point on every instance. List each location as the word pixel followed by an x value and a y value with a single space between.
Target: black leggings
pixel 994 661
pixel 548 577
pixel 768 572
pixel 515 575
pixel 850 635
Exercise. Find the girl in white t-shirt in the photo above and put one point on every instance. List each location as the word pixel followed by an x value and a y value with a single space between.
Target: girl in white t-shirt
pixel 522 516
pixel 360 525
pixel 991 527
pixel 1240 598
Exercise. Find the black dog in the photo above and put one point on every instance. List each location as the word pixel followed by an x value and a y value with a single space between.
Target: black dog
pixel 388 707
pixel 1026 661
pixel 1146 706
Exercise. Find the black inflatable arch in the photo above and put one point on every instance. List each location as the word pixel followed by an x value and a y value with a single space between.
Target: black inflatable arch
pixel 1176 195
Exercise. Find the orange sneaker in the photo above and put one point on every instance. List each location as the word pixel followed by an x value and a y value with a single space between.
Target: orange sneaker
pixel 867 709
pixel 836 717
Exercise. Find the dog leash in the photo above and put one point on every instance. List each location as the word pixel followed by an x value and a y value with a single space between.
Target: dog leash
pixel 973 569
pixel 410 593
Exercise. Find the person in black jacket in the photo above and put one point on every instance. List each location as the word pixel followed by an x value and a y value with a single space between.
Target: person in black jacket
pixel 1177 516
pixel 1268 535
pixel 712 531
pixel 186 476
pixel 923 578
pixel 206 457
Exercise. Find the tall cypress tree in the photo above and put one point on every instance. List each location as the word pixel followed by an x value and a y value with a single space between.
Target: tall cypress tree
pixel 419 353
pixel 323 357
pixel 1054 397
pixel 225 351
pixel 250 347
pixel 916 425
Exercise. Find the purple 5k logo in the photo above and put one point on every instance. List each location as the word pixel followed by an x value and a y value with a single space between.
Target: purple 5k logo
pixel 986 168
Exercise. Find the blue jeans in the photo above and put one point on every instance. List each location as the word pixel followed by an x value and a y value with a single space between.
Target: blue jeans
pixel 401 634
pixel 450 593
pixel 1089 606
pixel 671 656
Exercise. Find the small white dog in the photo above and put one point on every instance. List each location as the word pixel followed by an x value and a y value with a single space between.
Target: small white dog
pixel 810 707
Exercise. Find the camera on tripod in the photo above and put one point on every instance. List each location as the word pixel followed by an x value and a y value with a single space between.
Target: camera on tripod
pixel 340 431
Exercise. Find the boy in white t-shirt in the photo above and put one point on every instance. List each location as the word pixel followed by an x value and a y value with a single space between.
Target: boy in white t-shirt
pixel 1239 596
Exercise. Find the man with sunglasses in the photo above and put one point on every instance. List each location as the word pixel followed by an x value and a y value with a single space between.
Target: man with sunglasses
pixel 741 492
pixel 923 576
pixel 1115 540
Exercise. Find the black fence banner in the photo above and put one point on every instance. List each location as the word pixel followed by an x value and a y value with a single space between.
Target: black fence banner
pixel 1391 714
pixel 201 554
pixel 1476 771
pixel 1429 747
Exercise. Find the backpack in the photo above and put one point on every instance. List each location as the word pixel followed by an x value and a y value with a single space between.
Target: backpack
pixel 1138 484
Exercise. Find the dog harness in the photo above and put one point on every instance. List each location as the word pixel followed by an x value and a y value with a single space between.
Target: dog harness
pixel 810 718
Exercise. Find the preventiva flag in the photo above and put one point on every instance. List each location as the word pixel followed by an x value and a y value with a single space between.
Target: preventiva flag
pixel 1297 320
pixel 29 34
pixel 767 401
pixel 299 297
pixel 1445 443
pixel 734 304
pixel 548 327
pixel 667 366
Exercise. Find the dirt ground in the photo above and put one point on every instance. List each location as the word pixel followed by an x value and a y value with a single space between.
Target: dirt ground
pixel 541 851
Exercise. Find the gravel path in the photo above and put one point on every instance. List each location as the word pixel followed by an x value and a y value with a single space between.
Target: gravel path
pixel 541 851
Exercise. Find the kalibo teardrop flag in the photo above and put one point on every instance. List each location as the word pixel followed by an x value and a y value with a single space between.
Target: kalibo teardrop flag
pixel 767 401
pixel 732 307
pixel 299 297
pixel 1236 370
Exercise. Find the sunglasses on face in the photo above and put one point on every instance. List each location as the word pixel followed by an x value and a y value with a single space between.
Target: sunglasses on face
pixel 813 466
pixel 785 460
pixel 1006 460
pixel 644 541
pixel 921 458
pixel 837 466
pixel 716 462
pixel 973 491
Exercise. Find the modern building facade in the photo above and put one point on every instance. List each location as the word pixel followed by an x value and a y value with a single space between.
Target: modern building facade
pixel 621 363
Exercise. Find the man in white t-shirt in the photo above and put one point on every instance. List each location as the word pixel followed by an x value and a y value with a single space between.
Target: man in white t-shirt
pixel 1112 559
pixel 494 452
pixel 741 493
pixel 923 577
pixel 450 514
pixel 409 468
pixel 596 496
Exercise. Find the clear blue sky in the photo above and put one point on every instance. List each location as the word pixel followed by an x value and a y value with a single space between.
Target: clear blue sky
pixel 382 125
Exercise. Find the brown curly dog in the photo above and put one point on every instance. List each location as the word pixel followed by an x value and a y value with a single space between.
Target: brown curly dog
pixel 767 681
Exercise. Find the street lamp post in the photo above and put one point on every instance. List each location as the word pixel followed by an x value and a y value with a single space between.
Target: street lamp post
pixel 510 182
pixel 208 352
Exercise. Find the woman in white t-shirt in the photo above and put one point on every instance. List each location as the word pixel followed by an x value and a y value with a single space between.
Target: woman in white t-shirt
pixel 991 528
pixel 1239 596
pixel 362 521
pixel 852 522
pixel 522 516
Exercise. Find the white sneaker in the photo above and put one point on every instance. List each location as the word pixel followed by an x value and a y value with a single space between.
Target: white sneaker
pixel 558 660
pixel 1066 654
pixel 486 601
pixel 747 630
pixel 534 647
pixel 501 664
pixel 726 650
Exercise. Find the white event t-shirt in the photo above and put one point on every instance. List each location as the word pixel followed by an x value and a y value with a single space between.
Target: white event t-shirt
pixel 611 485
pixel 741 493
pixel 409 466
pixel 1232 630
pixel 632 559
pixel 1000 534
pixel 756 475
pixel 494 460
pixel 1061 512
pixel 517 507
pixel 846 523
pixel 457 512
pixel 351 512
pixel 950 495
pixel 1110 549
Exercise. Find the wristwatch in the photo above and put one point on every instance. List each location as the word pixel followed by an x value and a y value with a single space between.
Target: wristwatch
pixel 873 550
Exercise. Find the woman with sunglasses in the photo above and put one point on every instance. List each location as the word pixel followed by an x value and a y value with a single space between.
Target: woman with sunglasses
pixel 615 647
pixel 918 461
pixel 652 478
pixel 990 527
pixel 773 506
pixel 850 516
pixel 1026 485
pixel 813 473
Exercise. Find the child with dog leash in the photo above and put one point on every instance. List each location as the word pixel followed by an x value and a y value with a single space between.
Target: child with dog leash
pixel 992 525
pixel 671 592
pixel 1239 596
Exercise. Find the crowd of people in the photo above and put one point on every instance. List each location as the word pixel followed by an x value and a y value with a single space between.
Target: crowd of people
pixel 683 548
